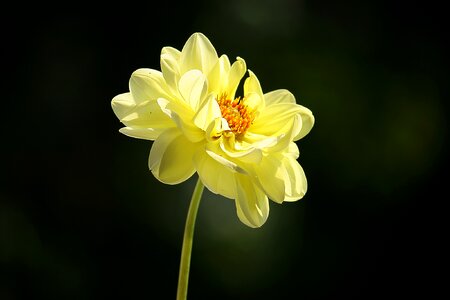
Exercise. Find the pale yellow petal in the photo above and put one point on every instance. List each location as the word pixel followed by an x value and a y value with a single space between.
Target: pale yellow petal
pixel 252 204
pixel 143 115
pixel 272 174
pixel 273 119
pixel 241 151
pixel 182 116
pixel 147 115
pixel 279 96
pixel 198 53
pixel 171 157
pixel 171 52
pixel 285 136
pixel 122 105
pixel 218 76
pixel 254 102
pixel 226 162
pixel 237 71
pixel 208 111
pixel 147 84
pixel 307 119
pixel 193 88
pixel 261 141
pixel 252 86
pixel 170 68
pixel 214 175
pixel 292 151
pixel 142 133
pixel 214 131
pixel 296 183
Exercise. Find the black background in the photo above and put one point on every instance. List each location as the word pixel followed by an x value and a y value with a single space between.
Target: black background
pixel 82 217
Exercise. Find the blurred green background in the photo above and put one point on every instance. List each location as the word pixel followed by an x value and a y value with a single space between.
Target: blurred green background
pixel 81 217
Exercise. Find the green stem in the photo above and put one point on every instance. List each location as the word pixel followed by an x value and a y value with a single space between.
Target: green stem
pixel 188 237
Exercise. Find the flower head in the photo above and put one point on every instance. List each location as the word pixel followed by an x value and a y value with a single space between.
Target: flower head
pixel 242 147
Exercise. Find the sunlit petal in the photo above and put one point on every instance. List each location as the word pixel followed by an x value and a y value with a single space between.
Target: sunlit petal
pixel 218 76
pixel 272 175
pixel 237 71
pixel 198 53
pixel 193 87
pixel 147 84
pixel 142 133
pixel 252 204
pixel 182 116
pixel 295 179
pixel 214 175
pixel 171 157
pixel 279 96
pixel 170 67
pixel 145 115
pixel 226 162
pixel 272 120
pixel 307 119
pixel 252 86
pixel 209 110
pixel 244 152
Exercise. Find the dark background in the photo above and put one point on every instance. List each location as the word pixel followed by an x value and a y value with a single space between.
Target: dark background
pixel 81 217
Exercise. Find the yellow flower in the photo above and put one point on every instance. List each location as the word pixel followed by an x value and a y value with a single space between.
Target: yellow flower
pixel 241 147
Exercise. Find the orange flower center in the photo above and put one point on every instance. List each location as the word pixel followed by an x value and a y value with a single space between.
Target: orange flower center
pixel 237 114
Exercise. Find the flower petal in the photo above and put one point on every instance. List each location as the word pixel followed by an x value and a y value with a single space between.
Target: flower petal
pixel 214 175
pixel 279 96
pixel 145 115
pixel 182 116
pixel 198 53
pixel 171 53
pixel 218 76
pixel 272 175
pixel 242 151
pixel 307 120
pixel 237 71
pixel 232 166
pixel 171 157
pixel 292 151
pixel 147 84
pixel 208 111
pixel 193 87
pixel 252 204
pixel 215 129
pixel 295 180
pixel 142 133
pixel 284 136
pixel 252 86
pixel 170 67
pixel 273 119
pixel 123 105
pixel 261 141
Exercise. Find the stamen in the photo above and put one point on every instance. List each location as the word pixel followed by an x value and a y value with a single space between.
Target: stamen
pixel 238 115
